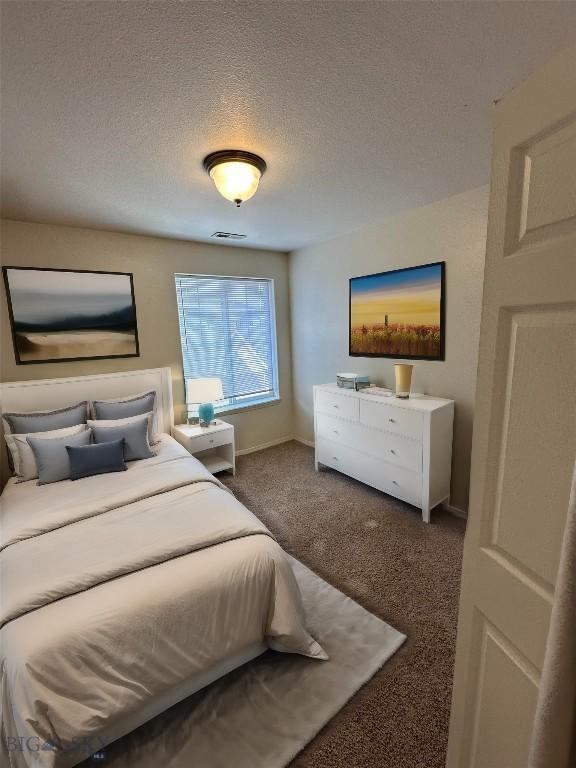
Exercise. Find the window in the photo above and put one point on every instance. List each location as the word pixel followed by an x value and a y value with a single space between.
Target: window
pixel 228 331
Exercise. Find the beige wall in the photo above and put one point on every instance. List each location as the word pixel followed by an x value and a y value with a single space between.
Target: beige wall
pixel 452 230
pixel 153 262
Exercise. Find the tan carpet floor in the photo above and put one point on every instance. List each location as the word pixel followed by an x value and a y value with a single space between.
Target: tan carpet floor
pixel 376 550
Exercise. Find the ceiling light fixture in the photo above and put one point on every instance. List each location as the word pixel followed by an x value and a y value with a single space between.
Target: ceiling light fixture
pixel 235 173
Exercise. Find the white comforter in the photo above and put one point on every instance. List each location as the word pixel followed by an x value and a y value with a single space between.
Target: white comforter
pixel 117 588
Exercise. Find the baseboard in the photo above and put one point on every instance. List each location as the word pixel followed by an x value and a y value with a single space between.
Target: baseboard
pixel 309 443
pixel 263 446
pixel 456 511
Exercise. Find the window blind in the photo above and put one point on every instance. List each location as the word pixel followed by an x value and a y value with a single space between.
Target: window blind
pixel 228 330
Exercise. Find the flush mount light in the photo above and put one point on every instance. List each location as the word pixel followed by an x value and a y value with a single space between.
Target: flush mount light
pixel 235 173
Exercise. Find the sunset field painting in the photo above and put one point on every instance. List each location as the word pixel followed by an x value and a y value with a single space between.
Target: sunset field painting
pixel 398 314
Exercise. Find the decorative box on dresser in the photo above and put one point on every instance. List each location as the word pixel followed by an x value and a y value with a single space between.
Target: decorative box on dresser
pixel 401 447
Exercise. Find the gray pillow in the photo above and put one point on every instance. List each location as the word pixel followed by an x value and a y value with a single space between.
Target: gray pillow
pixel 45 421
pixel 122 422
pixel 135 434
pixel 52 457
pixel 121 409
pixel 96 459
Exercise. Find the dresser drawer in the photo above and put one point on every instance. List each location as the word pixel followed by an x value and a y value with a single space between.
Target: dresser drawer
pixel 394 480
pixel 341 457
pixel 398 450
pixel 401 421
pixel 398 481
pixel 339 431
pixel 338 405
pixel 384 445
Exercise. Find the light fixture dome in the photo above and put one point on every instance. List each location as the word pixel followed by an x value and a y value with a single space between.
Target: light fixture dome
pixel 235 173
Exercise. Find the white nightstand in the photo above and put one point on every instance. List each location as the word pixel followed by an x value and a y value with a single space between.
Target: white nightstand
pixel 213 445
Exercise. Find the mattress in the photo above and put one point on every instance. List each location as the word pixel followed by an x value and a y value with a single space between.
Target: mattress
pixel 124 592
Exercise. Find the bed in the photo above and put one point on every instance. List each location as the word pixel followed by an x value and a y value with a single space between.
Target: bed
pixel 124 593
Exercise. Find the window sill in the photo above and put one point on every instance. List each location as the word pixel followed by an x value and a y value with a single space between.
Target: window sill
pixel 248 407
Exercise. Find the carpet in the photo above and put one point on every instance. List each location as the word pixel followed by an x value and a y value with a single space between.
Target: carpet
pixel 377 551
pixel 262 714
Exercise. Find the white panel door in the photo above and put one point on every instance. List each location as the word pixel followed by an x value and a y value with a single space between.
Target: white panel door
pixel 524 444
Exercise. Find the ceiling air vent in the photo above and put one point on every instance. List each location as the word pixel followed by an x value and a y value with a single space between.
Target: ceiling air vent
pixel 228 236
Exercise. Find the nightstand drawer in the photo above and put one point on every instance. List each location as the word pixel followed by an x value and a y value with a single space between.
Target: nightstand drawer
pixel 210 440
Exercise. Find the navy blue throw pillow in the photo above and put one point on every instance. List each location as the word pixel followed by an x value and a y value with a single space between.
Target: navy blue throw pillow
pixel 96 459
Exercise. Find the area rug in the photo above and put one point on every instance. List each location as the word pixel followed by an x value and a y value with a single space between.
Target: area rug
pixel 263 714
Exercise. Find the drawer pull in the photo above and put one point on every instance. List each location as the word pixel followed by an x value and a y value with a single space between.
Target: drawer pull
pixel 336 432
pixel 392 421
pixel 335 458
pixel 210 441
pixel 394 482
pixel 335 406
pixel 393 451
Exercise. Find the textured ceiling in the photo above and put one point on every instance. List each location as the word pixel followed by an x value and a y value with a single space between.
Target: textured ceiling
pixel 361 109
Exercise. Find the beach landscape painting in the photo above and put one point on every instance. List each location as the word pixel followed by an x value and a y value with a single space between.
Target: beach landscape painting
pixel 59 314
pixel 398 314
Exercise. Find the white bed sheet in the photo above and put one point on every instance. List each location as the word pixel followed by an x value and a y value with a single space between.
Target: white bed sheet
pixel 86 667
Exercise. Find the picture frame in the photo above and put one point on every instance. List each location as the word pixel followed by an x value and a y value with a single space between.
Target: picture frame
pixel 65 315
pixel 408 311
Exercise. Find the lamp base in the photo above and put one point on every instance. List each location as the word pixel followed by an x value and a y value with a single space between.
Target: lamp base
pixel 206 414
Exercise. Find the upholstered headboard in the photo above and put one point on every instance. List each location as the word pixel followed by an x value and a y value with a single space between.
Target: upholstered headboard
pixel 44 394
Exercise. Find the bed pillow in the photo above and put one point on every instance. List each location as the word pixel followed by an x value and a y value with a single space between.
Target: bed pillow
pixel 52 457
pixel 23 460
pixel 134 405
pixel 44 421
pixel 124 407
pixel 135 434
pixel 96 459
pixel 122 422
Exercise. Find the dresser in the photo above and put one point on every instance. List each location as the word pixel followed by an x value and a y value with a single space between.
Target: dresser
pixel 401 447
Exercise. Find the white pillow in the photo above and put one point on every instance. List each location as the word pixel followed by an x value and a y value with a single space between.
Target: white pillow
pixel 152 437
pixel 22 455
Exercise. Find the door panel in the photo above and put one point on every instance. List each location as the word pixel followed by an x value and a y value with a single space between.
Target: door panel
pixel 507 693
pixel 524 444
pixel 538 441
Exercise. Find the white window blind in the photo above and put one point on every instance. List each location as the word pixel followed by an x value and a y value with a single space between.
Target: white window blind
pixel 228 331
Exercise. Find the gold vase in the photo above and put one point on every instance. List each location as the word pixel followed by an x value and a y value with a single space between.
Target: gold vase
pixel 403 375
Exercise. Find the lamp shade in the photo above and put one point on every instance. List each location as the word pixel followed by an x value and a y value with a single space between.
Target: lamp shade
pixel 236 181
pixel 235 173
pixel 203 390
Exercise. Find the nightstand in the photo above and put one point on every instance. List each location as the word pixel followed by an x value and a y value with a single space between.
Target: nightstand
pixel 213 445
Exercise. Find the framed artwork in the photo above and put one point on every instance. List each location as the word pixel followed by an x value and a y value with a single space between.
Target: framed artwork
pixel 398 314
pixel 62 314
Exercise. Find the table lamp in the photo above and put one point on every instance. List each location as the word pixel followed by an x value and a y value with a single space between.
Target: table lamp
pixel 201 394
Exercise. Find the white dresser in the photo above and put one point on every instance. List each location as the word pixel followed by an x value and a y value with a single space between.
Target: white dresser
pixel 401 447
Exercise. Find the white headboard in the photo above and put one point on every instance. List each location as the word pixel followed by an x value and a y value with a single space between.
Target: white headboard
pixel 45 394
